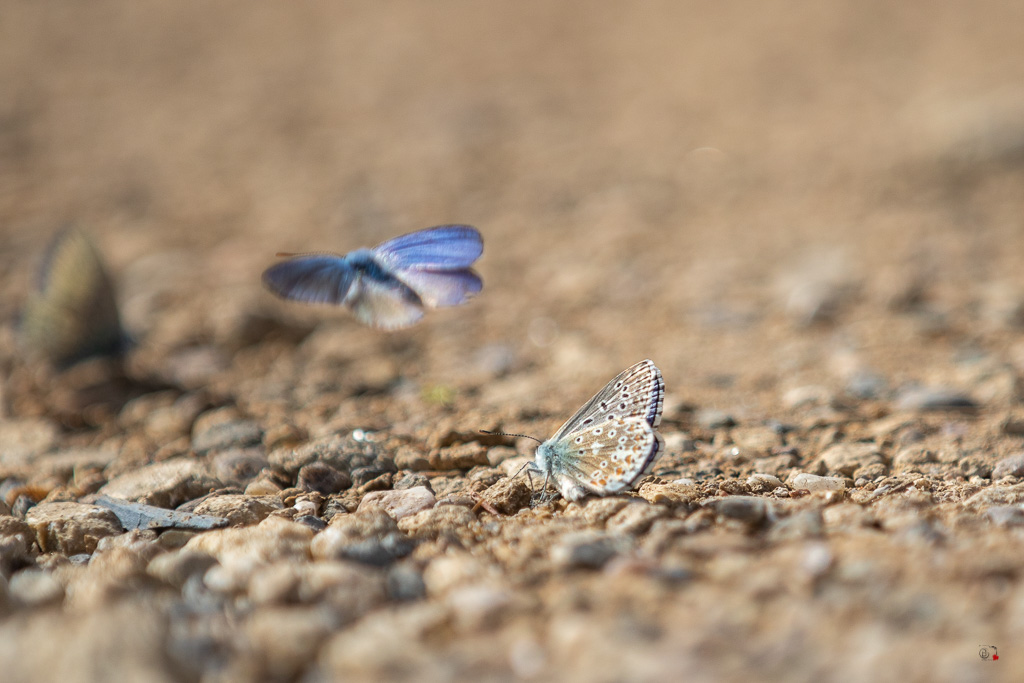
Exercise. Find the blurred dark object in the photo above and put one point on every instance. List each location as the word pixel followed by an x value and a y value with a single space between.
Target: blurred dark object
pixel 72 312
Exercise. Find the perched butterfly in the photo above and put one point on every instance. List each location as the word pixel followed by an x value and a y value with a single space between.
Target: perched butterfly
pixel 72 312
pixel 611 440
pixel 389 285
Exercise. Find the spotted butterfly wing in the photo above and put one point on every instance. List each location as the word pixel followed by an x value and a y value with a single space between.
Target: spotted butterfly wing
pixel 609 458
pixel 637 391
pixel 611 440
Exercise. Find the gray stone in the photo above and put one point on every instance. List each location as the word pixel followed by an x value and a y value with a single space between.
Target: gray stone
pixel 411 480
pixel 377 552
pixel 238 466
pixel 813 482
pixel 800 525
pixel 866 385
pixel 995 496
pixel 142 516
pixel 322 478
pixel 587 549
pixel 1010 466
pixel 1006 515
pixel 929 399
pixel 399 504
pixel 636 518
pixel 313 522
pixel 405 582
pixel 746 509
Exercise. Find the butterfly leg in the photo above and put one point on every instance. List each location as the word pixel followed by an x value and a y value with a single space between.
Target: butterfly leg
pixel 542 494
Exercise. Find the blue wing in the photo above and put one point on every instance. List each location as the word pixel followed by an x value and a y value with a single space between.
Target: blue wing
pixel 446 247
pixel 314 279
pixel 442 288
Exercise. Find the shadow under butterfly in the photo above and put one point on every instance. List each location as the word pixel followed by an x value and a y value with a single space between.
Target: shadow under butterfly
pixel 391 285
pixel 71 323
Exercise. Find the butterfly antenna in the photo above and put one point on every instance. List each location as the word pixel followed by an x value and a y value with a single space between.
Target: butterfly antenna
pixel 293 254
pixel 525 436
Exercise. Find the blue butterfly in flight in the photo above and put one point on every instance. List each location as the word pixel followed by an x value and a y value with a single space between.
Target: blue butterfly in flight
pixel 390 285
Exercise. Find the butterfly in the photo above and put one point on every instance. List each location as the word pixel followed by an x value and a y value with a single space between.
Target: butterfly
pixel 390 285
pixel 72 312
pixel 611 440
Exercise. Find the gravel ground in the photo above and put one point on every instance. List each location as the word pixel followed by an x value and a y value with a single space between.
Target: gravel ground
pixel 811 219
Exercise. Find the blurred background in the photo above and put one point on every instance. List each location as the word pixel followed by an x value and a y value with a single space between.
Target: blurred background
pixel 758 197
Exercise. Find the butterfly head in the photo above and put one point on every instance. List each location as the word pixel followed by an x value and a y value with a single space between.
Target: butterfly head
pixel 544 457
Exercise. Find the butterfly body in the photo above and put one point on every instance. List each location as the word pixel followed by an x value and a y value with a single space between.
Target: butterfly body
pixel 390 285
pixel 611 440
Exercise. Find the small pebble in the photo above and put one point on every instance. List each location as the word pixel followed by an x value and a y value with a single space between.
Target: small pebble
pixel 323 478
pixel 636 518
pixel 411 480
pixel 71 528
pixel 1010 466
pixel 35 588
pixel 747 509
pixel 401 503
pixel 208 435
pixel 709 418
pixel 927 399
pixel 313 522
pixel 404 582
pixel 813 482
pixel 587 549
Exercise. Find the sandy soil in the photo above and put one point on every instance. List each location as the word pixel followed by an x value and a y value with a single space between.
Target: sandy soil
pixel 810 218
